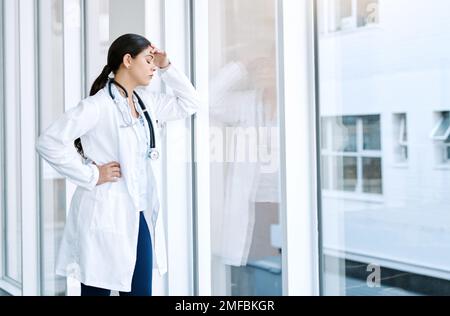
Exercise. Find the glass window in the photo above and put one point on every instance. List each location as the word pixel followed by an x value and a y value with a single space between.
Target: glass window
pixel 98 37
pixel 400 138
pixel 348 172
pixel 102 29
pixel 245 205
pixel 441 136
pixel 371 132
pixel 344 131
pixel 51 106
pixel 372 175
pixel 442 131
pixel 12 241
pixel 389 235
pixel 345 175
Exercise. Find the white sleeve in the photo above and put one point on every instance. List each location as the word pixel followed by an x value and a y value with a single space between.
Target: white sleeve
pixel 55 144
pixel 185 101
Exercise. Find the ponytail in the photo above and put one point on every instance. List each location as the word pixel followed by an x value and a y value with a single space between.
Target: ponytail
pixel 101 81
pixel 98 84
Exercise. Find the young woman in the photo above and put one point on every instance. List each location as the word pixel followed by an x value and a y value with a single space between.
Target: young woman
pixel 109 238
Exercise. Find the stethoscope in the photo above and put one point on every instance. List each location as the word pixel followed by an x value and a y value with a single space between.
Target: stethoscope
pixel 152 152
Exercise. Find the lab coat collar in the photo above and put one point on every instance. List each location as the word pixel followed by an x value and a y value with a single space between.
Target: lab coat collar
pixel 121 100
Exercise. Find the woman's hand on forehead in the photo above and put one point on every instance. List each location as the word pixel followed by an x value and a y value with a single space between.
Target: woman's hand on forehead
pixel 160 57
pixel 154 49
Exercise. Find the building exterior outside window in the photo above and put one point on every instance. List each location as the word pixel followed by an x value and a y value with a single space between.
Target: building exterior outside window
pixel 383 137
pixel 384 104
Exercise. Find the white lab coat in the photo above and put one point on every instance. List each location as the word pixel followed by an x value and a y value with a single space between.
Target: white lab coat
pixel 99 243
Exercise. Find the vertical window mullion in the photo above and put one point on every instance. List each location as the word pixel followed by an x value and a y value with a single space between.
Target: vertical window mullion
pixel 2 134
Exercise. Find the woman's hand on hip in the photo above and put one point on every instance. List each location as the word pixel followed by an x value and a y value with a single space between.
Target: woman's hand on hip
pixel 109 173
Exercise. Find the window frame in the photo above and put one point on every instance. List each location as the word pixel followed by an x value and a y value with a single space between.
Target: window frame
pixel 298 207
pixel 403 130
pixel 446 135
pixel 178 174
pixel 360 154
pixel 22 21
pixel 2 144
pixel 10 20
pixel 442 142
pixel 400 124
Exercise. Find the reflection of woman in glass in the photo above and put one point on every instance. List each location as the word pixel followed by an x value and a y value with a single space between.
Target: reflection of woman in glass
pixel 243 104
pixel 113 217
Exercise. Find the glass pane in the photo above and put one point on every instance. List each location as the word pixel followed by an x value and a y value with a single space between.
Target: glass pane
pixel 51 106
pixel 444 126
pixel 13 215
pixel 245 203
pixel 371 132
pixel 448 153
pixel 372 175
pixel 98 37
pixel 404 129
pixel 400 138
pixel 344 134
pixel 390 235
pixel 345 173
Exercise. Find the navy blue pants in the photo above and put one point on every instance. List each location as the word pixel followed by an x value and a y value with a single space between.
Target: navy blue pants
pixel 142 276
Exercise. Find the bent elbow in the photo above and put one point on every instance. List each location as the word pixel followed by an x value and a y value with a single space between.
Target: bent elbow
pixel 42 145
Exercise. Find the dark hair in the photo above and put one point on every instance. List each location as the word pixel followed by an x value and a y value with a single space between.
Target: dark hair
pixel 132 44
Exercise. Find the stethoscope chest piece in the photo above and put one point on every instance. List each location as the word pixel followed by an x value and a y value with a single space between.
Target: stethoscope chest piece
pixel 153 154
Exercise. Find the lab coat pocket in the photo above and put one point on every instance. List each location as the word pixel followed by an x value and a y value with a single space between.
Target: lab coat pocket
pixel 111 213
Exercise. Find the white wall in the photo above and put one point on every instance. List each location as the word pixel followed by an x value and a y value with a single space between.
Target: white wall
pixel 127 16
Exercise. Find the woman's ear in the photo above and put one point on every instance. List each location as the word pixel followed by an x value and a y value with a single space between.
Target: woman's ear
pixel 127 61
